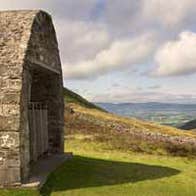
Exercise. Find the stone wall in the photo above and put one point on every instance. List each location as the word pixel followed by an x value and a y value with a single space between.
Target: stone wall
pixel 43 56
pixel 12 52
pixel 27 42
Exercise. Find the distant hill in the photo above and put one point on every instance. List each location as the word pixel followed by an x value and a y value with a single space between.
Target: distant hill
pixel 148 106
pixel 189 125
pixel 172 114
pixel 71 97
pixel 127 108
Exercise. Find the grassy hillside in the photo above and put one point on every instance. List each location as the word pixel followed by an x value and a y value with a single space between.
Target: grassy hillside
pixel 126 133
pixel 71 97
pixel 189 125
pixel 129 134
pixel 116 156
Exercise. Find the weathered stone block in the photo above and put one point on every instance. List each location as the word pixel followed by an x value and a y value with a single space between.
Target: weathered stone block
pixel 10 84
pixel 9 123
pixel 9 140
pixel 10 97
pixel 11 110
pixel 9 176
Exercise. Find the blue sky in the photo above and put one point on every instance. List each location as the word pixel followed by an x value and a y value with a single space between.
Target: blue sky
pixel 124 51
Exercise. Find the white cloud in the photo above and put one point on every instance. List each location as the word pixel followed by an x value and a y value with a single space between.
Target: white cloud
pixel 126 52
pixel 143 97
pixel 126 16
pixel 122 17
pixel 18 4
pixel 169 13
pixel 73 9
pixel 177 57
pixel 77 36
pixel 133 16
pixel 81 40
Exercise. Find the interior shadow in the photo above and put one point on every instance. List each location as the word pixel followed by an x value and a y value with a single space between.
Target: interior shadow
pixel 81 172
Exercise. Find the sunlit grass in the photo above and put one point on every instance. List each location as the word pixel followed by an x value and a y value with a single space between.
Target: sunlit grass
pixel 97 171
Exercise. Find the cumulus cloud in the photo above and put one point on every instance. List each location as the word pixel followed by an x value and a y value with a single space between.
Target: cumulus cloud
pixel 136 15
pixel 90 46
pixel 169 13
pixel 126 52
pixel 126 15
pixel 154 87
pixel 123 17
pixel 177 57
pixel 97 36
pixel 81 40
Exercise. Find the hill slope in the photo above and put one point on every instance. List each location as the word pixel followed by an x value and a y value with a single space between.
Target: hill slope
pixel 71 97
pixel 104 162
pixel 127 134
pixel 189 125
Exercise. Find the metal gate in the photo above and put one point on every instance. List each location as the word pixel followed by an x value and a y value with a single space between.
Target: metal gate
pixel 38 123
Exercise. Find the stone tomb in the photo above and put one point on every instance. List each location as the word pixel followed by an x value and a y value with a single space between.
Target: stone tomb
pixel 31 94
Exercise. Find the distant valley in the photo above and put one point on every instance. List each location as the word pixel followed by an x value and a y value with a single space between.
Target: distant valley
pixel 164 113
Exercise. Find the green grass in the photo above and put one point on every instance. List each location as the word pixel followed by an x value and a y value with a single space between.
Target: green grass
pixel 19 192
pixel 97 171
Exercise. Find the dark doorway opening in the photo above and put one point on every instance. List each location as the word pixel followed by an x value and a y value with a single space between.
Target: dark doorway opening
pixel 44 113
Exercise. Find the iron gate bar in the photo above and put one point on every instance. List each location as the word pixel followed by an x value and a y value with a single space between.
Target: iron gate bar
pixel 38 121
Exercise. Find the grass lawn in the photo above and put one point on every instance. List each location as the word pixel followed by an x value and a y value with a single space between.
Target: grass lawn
pixel 18 192
pixel 95 170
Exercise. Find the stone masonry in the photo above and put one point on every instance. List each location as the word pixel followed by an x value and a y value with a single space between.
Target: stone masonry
pixel 30 71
